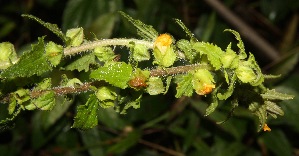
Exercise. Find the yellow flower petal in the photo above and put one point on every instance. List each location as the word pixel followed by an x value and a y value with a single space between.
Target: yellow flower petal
pixel 266 128
pixel 163 40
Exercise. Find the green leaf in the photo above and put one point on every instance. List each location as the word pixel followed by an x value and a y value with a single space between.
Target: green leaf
pixel 123 145
pixel 230 90
pixel 82 63
pixel 242 54
pixel 186 30
pixel 273 108
pixel 86 116
pixel 274 95
pixel 117 74
pixel 134 103
pixel 52 27
pixel 33 62
pixel 155 86
pixel 184 85
pixel 213 52
pixel 212 107
pixel 45 102
pixel 8 122
pixel 145 31
pixel 186 47
pixel 44 84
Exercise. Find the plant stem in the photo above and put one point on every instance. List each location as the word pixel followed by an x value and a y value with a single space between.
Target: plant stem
pixel 105 42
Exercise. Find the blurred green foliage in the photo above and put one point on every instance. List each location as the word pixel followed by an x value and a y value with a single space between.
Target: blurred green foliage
pixel 163 125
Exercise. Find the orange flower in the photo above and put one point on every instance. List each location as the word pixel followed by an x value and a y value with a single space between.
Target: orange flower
pixel 207 88
pixel 266 128
pixel 163 40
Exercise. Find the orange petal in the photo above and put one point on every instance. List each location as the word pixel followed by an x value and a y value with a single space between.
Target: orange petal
pixel 266 128
pixel 163 40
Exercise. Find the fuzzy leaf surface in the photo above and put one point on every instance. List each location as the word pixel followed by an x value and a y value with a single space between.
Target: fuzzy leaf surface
pixel 33 62
pixel 86 116
pixel 82 63
pixel 117 74
pixel 184 85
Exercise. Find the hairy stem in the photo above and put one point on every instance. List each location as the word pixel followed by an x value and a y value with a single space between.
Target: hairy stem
pixel 105 42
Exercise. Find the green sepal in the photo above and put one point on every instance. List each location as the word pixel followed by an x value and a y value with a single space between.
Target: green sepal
pixel 145 31
pixel 230 90
pixel 230 59
pixel 213 53
pixel 8 55
pixel 274 95
pixel 155 86
pixel 273 108
pixel 242 54
pixel 33 62
pixel 76 36
pixel 184 85
pixel 104 54
pixel 139 52
pixel 52 27
pixel 44 102
pixel 82 63
pixel 203 81
pixel 21 96
pixel 54 53
pixel 164 58
pixel 106 93
pixel 117 74
pixel 86 116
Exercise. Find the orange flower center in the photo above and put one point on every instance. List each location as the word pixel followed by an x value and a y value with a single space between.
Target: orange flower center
pixel 207 88
pixel 266 128
pixel 163 40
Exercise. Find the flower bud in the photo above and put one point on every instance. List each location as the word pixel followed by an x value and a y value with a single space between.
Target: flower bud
pixel 104 53
pixel 106 93
pixel 8 55
pixel 54 53
pixel 203 82
pixel 140 52
pixel 76 36
pixel 155 86
pixel 163 51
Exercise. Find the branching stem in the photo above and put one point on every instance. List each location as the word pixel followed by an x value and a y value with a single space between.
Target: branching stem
pixel 105 42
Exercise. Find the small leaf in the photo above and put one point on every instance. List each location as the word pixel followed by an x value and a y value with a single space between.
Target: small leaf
pixel 155 86
pixel 242 54
pixel 273 108
pixel 82 63
pixel 273 95
pixel 187 31
pixel 86 116
pixel 33 62
pixel 52 27
pixel 8 55
pixel 117 74
pixel 184 85
pixel 213 52
pixel 145 31
pixel 168 81
pixel 230 90
pixel 212 107
pixel 44 84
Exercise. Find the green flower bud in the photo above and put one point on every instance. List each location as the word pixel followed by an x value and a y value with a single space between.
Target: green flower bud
pixel 203 82
pixel 245 74
pixel 54 53
pixel 104 53
pixel 140 52
pixel 155 86
pixel 76 36
pixel 230 59
pixel 8 55
pixel 106 93
pixel 163 51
